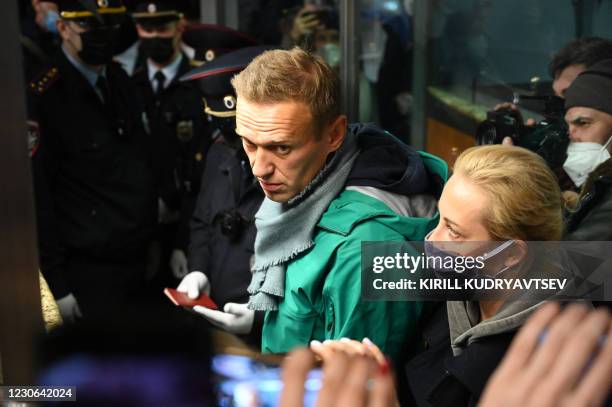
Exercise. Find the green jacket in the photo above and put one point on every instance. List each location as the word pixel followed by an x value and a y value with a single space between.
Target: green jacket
pixel 323 286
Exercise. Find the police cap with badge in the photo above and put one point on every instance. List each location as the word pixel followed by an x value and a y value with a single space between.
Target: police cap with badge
pixel 101 23
pixel 214 81
pixel 92 13
pixel 211 41
pixel 156 13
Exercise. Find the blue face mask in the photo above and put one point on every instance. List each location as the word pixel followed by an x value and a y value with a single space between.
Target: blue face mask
pixel 50 19
pixel 470 272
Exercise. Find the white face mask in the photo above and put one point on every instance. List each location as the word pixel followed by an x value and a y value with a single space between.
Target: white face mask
pixel 583 158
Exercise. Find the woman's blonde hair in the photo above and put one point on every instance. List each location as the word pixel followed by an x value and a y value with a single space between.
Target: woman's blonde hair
pixel 524 196
pixel 294 75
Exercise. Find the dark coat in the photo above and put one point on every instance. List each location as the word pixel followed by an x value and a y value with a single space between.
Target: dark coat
pixel 437 378
pixel 94 180
pixel 180 133
pixel 227 184
pixel 592 217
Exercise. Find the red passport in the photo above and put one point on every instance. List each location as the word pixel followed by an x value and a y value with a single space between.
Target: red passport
pixel 182 300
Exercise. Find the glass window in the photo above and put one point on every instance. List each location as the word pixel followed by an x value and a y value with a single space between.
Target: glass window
pixel 479 53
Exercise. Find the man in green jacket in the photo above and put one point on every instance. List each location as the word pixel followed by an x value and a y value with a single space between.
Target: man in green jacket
pixel 329 186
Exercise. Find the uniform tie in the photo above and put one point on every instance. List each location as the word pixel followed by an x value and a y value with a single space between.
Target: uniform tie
pixel 160 80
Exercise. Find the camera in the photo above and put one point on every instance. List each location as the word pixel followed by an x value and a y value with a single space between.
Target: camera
pixel 231 222
pixel 547 138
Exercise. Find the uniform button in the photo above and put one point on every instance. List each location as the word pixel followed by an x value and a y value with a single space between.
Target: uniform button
pixel 94 145
pixel 93 212
pixel 120 131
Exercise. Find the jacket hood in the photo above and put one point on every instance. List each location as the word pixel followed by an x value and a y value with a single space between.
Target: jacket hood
pixel 388 164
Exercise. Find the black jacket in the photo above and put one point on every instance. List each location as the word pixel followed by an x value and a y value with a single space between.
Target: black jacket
pixel 227 184
pixel 591 219
pixel 180 133
pixel 437 378
pixel 228 191
pixel 94 183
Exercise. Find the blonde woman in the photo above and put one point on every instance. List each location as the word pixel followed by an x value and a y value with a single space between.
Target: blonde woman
pixel 502 196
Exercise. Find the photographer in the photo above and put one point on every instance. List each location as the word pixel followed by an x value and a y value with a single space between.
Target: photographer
pixel 589 116
pixel 545 138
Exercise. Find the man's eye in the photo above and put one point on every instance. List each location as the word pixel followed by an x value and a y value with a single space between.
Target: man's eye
pixel 283 149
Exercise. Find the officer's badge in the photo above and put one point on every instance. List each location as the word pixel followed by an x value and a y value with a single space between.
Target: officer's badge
pixel 33 133
pixel 152 8
pixel 103 3
pixel 184 130
pixel 209 55
pixel 230 102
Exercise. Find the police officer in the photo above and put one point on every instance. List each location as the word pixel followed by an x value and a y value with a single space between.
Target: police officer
pixel 174 112
pixel 222 226
pixel 93 174
pixel 210 42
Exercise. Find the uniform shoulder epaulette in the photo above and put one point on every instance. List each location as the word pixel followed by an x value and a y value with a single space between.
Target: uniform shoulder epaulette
pixel 44 81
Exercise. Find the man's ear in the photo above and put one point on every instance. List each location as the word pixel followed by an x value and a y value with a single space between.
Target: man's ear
pixel 182 24
pixel 336 131
pixel 63 29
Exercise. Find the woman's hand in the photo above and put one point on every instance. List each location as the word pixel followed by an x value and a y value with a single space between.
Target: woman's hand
pixel 557 359
pixel 349 379
pixel 325 350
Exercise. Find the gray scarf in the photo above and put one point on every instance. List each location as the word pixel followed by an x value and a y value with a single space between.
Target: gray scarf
pixel 284 230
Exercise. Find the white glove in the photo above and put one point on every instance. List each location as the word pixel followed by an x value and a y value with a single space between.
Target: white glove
pixel 193 284
pixel 69 309
pixel 236 319
pixel 178 263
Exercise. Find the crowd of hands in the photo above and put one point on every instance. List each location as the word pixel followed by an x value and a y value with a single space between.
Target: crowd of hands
pixel 560 357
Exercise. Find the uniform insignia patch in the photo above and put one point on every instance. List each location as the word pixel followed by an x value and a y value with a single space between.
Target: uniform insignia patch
pixel 33 134
pixel 44 82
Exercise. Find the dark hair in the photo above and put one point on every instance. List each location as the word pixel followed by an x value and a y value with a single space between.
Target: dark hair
pixel 582 51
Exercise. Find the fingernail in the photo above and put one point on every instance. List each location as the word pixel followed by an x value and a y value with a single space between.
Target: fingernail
pixel 325 342
pixel 315 344
pixel 383 368
pixel 345 340
pixel 367 341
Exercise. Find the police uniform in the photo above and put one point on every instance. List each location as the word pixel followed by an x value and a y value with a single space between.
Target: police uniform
pixel 93 173
pixel 178 129
pixel 222 234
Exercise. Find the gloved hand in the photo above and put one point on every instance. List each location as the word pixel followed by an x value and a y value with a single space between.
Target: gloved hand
pixel 193 284
pixel 69 309
pixel 178 264
pixel 236 318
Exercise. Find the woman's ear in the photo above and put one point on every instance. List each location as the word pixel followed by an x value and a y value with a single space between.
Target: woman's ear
pixel 518 253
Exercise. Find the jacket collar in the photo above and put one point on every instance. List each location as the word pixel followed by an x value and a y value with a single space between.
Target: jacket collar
pixel 603 172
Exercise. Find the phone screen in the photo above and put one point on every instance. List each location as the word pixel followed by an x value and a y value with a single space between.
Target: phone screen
pixel 241 381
